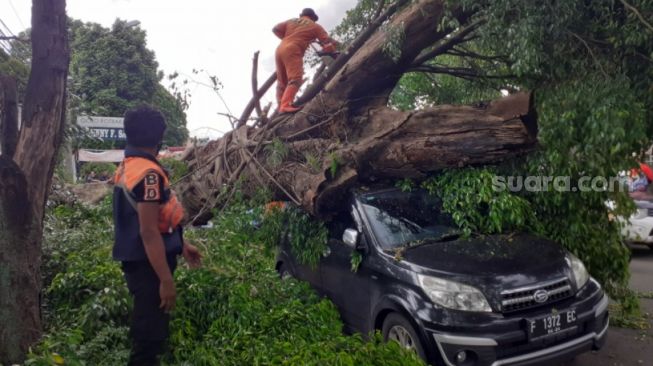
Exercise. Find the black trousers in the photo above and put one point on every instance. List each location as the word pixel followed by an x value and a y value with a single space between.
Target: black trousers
pixel 149 323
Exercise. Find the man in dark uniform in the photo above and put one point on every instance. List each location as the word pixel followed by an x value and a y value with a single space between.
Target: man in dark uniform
pixel 148 234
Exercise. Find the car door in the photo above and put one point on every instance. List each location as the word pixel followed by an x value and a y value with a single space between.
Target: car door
pixel 347 288
pixel 304 272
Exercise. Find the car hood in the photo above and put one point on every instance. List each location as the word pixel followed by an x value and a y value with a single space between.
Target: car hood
pixel 493 262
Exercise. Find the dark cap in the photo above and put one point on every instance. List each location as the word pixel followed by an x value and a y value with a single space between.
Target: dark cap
pixel 308 12
pixel 144 126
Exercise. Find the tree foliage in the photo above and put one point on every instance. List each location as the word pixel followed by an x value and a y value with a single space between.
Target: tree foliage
pixel 591 62
pixel 15 67
pixel 112 70
pixel 233 311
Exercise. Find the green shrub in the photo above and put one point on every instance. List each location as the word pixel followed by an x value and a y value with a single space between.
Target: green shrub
pixel 86 301
pixel 307 236
pixel 233 311
pixel 100 169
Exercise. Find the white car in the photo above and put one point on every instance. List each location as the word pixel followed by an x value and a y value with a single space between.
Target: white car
pixel 638 228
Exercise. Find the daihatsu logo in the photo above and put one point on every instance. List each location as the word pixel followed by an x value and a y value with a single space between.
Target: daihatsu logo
pixel 541 296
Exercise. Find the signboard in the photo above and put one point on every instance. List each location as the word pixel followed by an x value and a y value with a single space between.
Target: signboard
pixel 110 156
pixel 105 128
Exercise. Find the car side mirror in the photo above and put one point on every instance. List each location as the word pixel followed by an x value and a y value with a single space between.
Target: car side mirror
pixel 351 237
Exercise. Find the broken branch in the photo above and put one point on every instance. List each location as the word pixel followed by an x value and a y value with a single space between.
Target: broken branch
pixel 255 99
pixel 257 104
pixel 448 44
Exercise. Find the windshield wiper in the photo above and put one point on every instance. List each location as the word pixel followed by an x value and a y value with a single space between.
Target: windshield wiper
pixel 398 252
pixel 452 235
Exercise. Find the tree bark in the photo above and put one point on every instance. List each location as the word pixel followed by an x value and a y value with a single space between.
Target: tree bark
pixel 25 180
pixel 8 115
pixel 20 322
pixel 347 136
pixel 44 110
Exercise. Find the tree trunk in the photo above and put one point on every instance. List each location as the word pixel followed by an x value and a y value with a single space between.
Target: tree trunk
pixel 25 180
pixel 8 115
pixel 20 322
pixel 346 135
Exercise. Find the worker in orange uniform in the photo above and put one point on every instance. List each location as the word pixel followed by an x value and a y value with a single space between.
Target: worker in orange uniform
pixel 296 35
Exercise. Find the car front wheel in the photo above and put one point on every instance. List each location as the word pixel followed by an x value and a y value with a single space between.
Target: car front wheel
pixel 399 329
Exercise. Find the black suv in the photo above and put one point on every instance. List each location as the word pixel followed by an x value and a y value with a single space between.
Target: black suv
pixel 484 300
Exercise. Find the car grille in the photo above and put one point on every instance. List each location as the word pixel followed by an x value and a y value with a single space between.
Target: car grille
pixel 525 298
pixel 649 211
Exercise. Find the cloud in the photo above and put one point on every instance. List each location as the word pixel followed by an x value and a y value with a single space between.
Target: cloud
pixel 332 13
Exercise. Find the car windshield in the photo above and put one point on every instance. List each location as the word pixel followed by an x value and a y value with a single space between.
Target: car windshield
pixel 407 218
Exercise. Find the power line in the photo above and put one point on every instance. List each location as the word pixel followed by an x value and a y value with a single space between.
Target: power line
pixel 7 28
pixel 4 43
pixel 5 48
pixel 17 16
pixel 17 43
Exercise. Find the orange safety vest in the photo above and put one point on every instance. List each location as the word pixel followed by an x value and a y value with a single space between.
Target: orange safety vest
pixel 131 171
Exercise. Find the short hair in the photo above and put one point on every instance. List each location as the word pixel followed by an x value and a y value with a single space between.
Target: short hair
pixel 308 12
pixel 144 126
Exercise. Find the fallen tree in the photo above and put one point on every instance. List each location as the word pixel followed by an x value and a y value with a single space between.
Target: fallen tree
pixel 347 135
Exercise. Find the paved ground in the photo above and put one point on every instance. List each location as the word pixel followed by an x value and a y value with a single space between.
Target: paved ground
pixel 628 347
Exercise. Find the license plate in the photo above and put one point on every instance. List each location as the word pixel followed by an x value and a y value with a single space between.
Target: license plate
pixel 556 322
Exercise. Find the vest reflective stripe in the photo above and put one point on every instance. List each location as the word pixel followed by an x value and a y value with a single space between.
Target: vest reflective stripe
pixel 131 171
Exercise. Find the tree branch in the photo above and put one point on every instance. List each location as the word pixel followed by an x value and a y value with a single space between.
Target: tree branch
pixel 638 14
pixel 257 105
pixel 463 72
pixel 589 49
pixel 233 121
pixel 470 54
pixel 295 200
pixel 255 99
pixel 448 44
pixel 379 9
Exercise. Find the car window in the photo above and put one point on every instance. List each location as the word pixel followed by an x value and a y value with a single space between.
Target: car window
pixel 398 218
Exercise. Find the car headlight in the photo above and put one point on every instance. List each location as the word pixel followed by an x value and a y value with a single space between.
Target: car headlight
pixel 581 276
pixel 453 295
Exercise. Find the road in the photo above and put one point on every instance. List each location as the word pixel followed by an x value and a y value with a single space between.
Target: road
pixel 628 347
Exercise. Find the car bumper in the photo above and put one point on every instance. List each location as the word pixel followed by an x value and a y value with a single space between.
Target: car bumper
pixel 493 350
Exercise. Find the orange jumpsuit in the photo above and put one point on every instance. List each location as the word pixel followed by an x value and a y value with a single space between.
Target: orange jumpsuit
pixel 296 35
